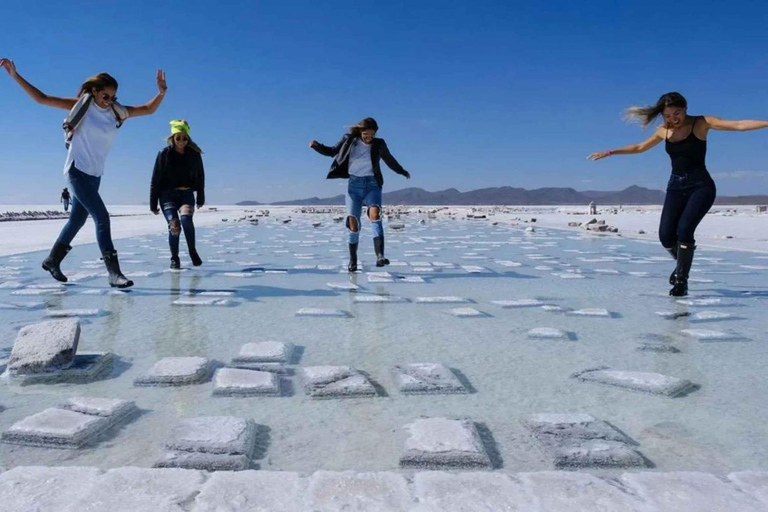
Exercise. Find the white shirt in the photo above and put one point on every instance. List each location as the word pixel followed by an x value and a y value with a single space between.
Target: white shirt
pixel 360 160
pixel 92 141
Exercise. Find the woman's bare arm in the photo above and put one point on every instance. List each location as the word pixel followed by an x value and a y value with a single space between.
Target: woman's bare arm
pixel 152 105
pixel 35 93
pixel 715 123
pixel 631 149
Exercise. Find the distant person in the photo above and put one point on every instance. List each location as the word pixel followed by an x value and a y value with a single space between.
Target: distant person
pixel 178 174
pixel 690 190
pixel 65 199
pixel 90 129
pixel 356 157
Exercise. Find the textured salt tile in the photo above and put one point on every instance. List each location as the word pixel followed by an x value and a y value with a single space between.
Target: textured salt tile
pixel 710 316
pixel 11 285
pixel 597 453
pixel 426 378
pixel 573 426
pixel 444 442
pixel 542 267
pixel 141 274
pixel 507 263
pixel 552 308
pixel 609 271
pixel 654 383
pixel 569 491
pixel 335 382
pixel 225 435
pixel 754 483
pixel 591 312
pixel 176 371
pixel 203 461
pixel 348 491
pixel 520 303
pixel 475 269
pixel 55 428
pixel 65 313
pixel 273 491
pixel 323 312
pixel 547 333
pixel 33 291
pixel 166 490
pixel 658 347
pixel 22 305
pixel 466 313
pixel 380 277
pixel 421 264
pixel 410 279
pixel 710 335
pixel 452 299
pixel 343 286
pixel 690 492
pixel 672 315
pixel 203 301
pixel 379 298
pixel 568 275
pixel 438 491
pixel 265 352
pixel 45 346
pixel 240 382
pixel 213 293
pixel 113 408
pixel 85 367
pixel 44 489
pixel 701 302
pixel 424 270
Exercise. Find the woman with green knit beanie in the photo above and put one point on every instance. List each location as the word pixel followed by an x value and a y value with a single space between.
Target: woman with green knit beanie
pixel 178 174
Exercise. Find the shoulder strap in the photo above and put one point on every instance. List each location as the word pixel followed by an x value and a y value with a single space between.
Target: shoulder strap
pixel 75 117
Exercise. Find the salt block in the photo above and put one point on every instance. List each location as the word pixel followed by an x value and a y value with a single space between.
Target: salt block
pixel 475 269
pixel 754 483
pixel 597 453
pixel 348 491
pixel 547 333
pixel 654 383
pixel 176 371
pixel 379 299
pixel 67 313
pixel 701 302
pixel 569 491
pixel 86 367
pixel 203 301
pixel 600 312
pixel 203 461
pixel 451 299
pixel 520 303
pixel 215 435
pixel 508 263
pixel 466 313
pixel 710 335
pixel 658 347
pixel 276 491
pixel 426 378
pixel 673 315
pixel 444 442
pixel 322 312
pixel 265 352
pixel 410 279
pixel 689 492
pixel 552 308
pixel 56 428
pixel 117 490
pixel 438 491
pixel 113 408
pixel 572 426
pixel 335 382
pixel 240 382
pixel 710 316
pixel 343 286
pixel 38 488
pixel 45 346
pixel 22 305
pixel 277 368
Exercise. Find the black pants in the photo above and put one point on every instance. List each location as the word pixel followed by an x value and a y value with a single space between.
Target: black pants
pixel 688 200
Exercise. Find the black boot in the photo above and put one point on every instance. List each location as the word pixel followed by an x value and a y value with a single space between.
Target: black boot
pixel 378 248
pixel 673 253
pixel 352 267
pixel 684 262
pixel 196 261
pixel 175 261
pixel 116 278
pixel 52 262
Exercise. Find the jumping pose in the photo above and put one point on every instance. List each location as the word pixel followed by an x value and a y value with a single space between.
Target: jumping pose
pixel 177 175
pixel 690 190
pixel 90 129
pixel 356 157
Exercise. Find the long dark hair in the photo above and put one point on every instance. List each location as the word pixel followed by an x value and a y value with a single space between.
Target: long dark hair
pixel 99 82
pixel 646 115
pixel 368 123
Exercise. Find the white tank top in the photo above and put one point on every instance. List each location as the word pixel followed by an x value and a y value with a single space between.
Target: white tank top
pixel 92 141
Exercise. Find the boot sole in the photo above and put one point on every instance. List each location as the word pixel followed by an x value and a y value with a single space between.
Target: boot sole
pixel 128 285
pixel 45 267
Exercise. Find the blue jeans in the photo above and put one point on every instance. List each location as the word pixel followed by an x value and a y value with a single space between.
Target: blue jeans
pixel 363 191
pixel 171 201
pixel 86 201
pixel 688 200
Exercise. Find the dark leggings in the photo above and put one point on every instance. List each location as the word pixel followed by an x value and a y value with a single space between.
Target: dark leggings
pixel 685 206
pixel 172 201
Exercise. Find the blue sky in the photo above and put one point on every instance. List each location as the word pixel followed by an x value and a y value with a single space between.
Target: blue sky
pixel 467 94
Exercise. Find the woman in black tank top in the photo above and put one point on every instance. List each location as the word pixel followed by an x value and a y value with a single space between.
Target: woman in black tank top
pixel 690 190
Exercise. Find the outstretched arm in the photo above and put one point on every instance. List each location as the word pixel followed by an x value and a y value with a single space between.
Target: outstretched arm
pixel 632 149
pixel 150 107
pixel 35 93
pixel 327 150
pixel 391 162
pixel 715 123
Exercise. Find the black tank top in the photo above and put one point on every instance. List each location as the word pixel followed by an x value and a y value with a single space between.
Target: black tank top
pixel 688 155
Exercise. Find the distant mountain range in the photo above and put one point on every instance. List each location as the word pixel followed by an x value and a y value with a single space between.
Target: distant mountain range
pixel 511 196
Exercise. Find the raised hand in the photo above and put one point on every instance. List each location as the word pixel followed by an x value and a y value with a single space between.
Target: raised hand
pixel 407 175
pixel 314 144
pixel 161 85
pixel 9 66
pixel 599 155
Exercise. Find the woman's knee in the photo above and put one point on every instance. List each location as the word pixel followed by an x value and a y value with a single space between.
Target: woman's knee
pixel 374 213
pixel 352 224
pixel 186 210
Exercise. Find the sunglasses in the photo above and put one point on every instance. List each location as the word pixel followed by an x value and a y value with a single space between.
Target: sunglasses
pixel 107 97
pixel 180 138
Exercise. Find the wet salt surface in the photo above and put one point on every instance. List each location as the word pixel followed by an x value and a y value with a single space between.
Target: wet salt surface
pixel 719 428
